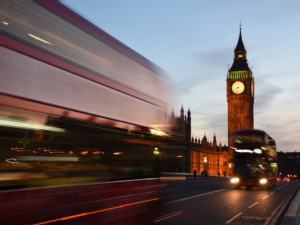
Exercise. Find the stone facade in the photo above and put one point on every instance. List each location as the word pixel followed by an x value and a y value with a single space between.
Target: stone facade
pixel 210 157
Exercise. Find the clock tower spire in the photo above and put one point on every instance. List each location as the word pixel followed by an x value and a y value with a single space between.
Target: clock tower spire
pixel 240 92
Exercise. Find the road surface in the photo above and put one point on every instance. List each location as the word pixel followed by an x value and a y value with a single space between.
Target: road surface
pixel 150 201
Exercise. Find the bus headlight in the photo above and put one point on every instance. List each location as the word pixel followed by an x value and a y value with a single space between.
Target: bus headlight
pixel 263 181
pixel 235 180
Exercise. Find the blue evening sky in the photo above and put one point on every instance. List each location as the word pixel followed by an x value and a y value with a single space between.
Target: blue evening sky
pixel 194 40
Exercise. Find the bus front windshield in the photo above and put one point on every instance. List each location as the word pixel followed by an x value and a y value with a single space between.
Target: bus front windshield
pixel 250 166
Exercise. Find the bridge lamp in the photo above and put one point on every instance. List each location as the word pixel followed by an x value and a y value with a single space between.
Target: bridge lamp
pixel 156 152
pixel 205 161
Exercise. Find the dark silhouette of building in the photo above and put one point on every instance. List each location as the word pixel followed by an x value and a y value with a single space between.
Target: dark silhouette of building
pixel 182 125
pixel 240 92
pixel 289 163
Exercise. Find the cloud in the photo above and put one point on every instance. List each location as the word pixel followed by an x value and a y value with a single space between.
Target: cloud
pixel 201 68
pixel 215 57
pixel 265 95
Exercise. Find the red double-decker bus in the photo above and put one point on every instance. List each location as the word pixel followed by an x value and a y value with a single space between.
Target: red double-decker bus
pixel 255 159
pixel 76 103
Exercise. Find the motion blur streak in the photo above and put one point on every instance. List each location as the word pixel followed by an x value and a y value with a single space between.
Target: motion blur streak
pixel 20 124
pixel 167 217
pixel 97 211
pixel 40 39
pixel 70 89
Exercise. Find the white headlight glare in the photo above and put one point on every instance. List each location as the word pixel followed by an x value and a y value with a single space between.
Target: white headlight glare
pixel 263 181
pixel 235 180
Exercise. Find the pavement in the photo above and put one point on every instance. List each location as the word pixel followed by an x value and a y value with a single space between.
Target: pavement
pixel 292 216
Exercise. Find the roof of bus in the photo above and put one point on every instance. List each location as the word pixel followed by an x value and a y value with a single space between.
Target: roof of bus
pixel 253 131
pixel 250 131
pixel 68 14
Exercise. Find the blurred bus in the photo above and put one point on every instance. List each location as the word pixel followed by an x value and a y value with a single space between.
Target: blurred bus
pixel 255 159
pixel 77 105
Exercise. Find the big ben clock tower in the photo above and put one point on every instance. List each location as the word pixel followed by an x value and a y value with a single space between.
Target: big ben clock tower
pixel 240 92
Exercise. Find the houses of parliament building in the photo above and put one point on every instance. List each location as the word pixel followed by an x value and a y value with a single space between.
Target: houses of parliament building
pixel 201 153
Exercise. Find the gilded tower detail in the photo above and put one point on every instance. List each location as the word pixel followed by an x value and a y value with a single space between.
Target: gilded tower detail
pixel 240 92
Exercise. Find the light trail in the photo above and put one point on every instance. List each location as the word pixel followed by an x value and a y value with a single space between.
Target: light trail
pixel 97 211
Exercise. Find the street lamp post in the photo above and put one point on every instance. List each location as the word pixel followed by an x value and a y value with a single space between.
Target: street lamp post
pixel 205 161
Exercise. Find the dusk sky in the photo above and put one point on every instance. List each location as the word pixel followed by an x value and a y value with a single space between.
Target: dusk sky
pixel 194 41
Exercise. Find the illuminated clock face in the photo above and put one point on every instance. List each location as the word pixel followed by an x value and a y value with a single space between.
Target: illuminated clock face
pixel 238 87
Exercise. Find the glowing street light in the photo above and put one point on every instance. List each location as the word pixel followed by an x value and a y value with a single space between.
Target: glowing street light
pixel 156 152
pixel 205 161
